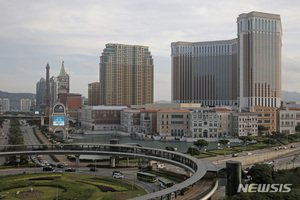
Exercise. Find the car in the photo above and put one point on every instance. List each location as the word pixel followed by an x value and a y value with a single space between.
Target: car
pixel 116 172
pixel 70 170
pixel 235 155
pixel 118 175
pixel 47 168
pixel 52 165
pixel 56 171
pixel 293 146
pixel 60 166
pixel 93 169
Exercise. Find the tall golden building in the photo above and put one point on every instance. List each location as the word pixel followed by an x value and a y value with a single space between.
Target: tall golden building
pixel 126 75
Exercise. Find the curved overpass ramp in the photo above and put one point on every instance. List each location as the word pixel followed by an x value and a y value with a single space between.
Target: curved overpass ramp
pixel 191 164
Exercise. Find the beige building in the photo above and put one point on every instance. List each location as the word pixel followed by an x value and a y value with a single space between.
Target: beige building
pixel 244 124
pixel 287 120
pixel 94 94
pixel 224 121
pixel 173 123
pixel 126 75
pixel 160 106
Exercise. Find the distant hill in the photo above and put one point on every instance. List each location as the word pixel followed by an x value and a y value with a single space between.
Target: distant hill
pixel 290 96
pixel 16 97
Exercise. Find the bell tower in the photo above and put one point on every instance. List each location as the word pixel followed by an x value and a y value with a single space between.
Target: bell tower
pixel 63 87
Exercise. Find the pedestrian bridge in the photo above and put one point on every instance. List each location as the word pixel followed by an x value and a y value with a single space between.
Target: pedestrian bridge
pixel 190 164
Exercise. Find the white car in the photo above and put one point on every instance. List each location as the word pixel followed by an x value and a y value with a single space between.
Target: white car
pixel 118 175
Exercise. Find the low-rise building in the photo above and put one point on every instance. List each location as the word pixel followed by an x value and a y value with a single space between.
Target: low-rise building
pixel 224 122
pixel 266 118
pixel 148 121
pixel 244 124
pixel 203 123
pixel 287 119
pixel 101 118
pixel 173 123
pixel 130 120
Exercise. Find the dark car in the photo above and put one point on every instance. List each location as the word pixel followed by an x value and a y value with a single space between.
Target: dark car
pixel 52 165
pixel 93 169
pixel 70 170
pixel 47 168
pixel 60 166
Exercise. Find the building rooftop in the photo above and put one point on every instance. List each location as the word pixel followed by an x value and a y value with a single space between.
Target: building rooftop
pixel 288 108
pixel 220 110
pixel 105 107
pixel 175 110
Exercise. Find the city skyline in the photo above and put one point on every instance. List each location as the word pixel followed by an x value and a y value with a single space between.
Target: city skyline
pixel 37 33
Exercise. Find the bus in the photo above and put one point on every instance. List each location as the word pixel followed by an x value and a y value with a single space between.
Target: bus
pixel 165 183
pixel 144 176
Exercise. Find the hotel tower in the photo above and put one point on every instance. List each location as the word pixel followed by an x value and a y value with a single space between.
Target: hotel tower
pixel 245 70
pixel 126 75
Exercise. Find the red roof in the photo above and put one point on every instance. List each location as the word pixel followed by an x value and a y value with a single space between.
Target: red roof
pixel 148 110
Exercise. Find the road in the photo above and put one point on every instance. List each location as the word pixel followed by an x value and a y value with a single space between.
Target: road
pixel 4 137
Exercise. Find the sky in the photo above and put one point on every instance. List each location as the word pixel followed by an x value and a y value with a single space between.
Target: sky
pixel 34 33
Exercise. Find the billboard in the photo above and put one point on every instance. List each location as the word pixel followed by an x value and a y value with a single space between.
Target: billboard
pixel 58 121
pixel 37 112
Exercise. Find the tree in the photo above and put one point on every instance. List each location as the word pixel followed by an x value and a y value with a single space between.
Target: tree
pixel 245 139
pixel 224 142
pixel 201 143
pixel 170 148
pixel 261 174
pixel 193 151
pixel 296 157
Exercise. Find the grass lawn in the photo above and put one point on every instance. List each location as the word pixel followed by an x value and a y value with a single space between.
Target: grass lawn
pixel 67 186
pixel 203 155
pixel 222 151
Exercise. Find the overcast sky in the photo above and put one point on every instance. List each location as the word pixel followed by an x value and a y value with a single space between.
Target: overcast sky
pixel 34 33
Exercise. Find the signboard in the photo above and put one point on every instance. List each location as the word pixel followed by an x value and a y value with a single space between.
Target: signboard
pixel 37 112
pixel 58 121
pixel 59 108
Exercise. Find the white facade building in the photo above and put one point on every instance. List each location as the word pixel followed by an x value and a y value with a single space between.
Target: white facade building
pixel 4 104
pixel 25 105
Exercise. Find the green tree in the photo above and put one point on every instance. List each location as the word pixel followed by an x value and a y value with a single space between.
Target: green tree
pixel 261 173
pixel 170 148
pixel 201 143
pixel 224 142
pixel 245 139
pixel 193 151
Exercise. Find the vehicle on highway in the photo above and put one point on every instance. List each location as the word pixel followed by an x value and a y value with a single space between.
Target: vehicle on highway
pixel 93 169
pixel 118 175
pixel 235 155
pixel 144 176
pixel 56 171
pixel 60 166
pixel 52 165
pixel 47 168
pixel 293 146
pixel 165 183
pixel 116 172
pixel 70 170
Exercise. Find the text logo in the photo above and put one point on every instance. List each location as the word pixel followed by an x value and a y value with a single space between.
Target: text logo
pixel 264 188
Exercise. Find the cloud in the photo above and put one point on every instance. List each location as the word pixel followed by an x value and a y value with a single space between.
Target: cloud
pixel 36 32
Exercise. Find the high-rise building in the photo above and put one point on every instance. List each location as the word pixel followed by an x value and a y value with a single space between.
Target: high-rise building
pixel 245 70
pixel 4 105
pixel 205 72
pixel 126 75
pixel 74 104
pixel 63 85
pixel 53 90
pixel 259 36
pixel 40 92
pixel 94 94
pixel 25 105
pixel 47 101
